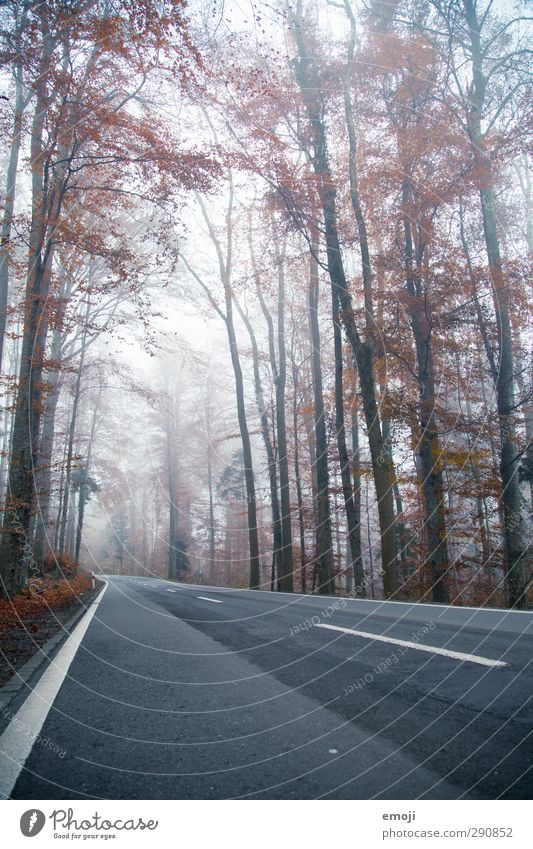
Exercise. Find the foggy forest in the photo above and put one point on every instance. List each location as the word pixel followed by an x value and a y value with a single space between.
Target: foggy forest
pixel 265 301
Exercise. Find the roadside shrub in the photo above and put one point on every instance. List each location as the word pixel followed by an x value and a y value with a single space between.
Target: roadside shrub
pixel 62 565
pixel 41 596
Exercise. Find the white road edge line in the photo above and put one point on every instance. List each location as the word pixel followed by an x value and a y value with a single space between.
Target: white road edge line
pixel 15 746
pixel 457 655
pixel 204 598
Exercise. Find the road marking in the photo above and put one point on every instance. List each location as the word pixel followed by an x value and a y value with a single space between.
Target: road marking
pixel 457 655
pixel 172 591
pixel 204 598
pixel 19 737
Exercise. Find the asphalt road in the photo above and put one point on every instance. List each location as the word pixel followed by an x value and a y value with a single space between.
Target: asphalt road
pixel 188 692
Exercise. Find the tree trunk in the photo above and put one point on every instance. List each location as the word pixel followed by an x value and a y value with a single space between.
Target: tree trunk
pixel 70 536
pixel 84 487
pixel 481 507
pixel 301 523
pixel 173 514
pixel 44 471
pixel 62 488
pixel 324 552
pixel 41 541
pixel 225 268
pixel 285 578
pixel 515 530
pixel 354 182
pixel 7 428
pixel 382 467
pixel 356 483
pixel 212 551
pixel 11 179
pixel 253 539
pixel 429 447
pixel 354 530
pixel 526 403
pixel 277 537
pixel 72 431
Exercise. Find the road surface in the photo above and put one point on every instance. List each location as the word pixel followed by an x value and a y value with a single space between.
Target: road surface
pixel 191 692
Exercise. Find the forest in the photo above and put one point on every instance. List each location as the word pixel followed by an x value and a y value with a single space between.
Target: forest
pixel 265 295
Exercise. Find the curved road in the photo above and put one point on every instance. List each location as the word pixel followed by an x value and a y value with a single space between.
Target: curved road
pixel 187 692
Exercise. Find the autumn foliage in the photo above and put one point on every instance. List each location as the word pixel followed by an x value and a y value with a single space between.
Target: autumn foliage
pixel 320 230
pixel 44 596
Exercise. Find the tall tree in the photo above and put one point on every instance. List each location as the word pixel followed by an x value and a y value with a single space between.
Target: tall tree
pixel 82 139
pixel 225 267
pixel 382 465
pixel 472 35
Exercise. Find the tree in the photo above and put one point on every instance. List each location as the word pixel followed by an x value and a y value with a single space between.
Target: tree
pixel 381 461
pixel 324 550
pixel 473 35
pixel 79 129
pixel 225 272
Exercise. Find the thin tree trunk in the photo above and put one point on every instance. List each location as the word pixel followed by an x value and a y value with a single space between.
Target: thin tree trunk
pixel 71 525
pixel 253 539
pixel 211 530
pixel 62 488
pixel 484 532
pixel 173 513
pixel 283 563
pixel 526 403
pixel 176 547
pixel 212 552
pixel 356 482
pixel 277 536
pixel 354 530
pixel 72 431
pixel 369 541
pixel 308 423
pixel 299 498
pixel 285 578
pixel 324 552
pixel 84 486
pixel 7 429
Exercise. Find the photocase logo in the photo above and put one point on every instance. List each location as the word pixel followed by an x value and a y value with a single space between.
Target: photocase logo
pixel 31 822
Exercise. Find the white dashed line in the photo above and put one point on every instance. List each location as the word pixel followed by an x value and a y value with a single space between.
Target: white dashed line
pixel 457 655
pixel 204 598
